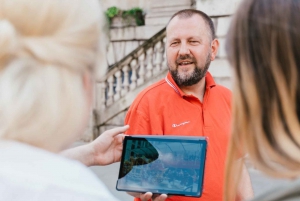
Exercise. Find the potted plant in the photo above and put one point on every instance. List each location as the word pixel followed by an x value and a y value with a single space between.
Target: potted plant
pixel 123 18
pixel 135 15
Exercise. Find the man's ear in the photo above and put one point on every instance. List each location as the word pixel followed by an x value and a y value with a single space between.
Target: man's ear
pixel 214 49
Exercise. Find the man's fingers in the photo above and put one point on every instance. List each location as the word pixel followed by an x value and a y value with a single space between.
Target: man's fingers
pixel 115 131
pixel 149 196
pixel 161 197
pixel 143 196
pixel 146 196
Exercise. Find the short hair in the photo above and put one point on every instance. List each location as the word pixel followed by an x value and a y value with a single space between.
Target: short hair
pixel 45 50
pixel 263 47
pixel 187 13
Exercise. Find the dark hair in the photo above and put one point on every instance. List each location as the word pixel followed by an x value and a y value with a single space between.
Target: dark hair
pixel 263 47
pixel 187 13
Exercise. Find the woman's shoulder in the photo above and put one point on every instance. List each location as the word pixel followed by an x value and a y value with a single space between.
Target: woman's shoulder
pixel 290 192
pixel 45 174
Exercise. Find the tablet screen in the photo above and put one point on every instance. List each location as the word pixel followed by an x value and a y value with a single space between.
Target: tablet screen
pixel 163 164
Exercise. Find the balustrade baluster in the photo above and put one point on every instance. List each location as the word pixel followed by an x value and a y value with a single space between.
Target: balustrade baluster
pixel 158 57
pixel 103 95
pixel 142 72
pixel 118 88
pixel 149 64
pixel 133 77
pixel 125 89
pixel 110 94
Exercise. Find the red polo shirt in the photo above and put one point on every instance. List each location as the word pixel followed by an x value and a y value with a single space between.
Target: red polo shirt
pixel 163 109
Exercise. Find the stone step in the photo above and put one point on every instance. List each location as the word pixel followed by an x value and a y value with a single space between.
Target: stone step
pixel 160 14
pixel 134 33
pixel 155 21
pixel 170 9
pixel 217 7
pixel 167 3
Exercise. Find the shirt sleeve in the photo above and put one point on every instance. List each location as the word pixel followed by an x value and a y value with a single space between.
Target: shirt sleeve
pixel 138 121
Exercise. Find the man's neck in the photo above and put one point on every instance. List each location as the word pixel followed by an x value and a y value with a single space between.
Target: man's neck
pixel 196 90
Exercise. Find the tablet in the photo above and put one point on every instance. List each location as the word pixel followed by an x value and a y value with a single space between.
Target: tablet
pixel 163 164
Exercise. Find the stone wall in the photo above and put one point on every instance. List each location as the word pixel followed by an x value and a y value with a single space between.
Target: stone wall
pixel 221 12
pixel 220 68
pixel 217 7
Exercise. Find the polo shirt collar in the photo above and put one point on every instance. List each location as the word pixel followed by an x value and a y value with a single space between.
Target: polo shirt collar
pixel 209 83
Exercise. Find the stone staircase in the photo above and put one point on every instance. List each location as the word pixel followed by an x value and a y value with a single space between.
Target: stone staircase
pixel 125 79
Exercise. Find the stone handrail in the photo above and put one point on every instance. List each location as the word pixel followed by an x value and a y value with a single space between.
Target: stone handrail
pixel 140 65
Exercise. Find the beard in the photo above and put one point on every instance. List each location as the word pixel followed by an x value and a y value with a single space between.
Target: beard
pixel 189 79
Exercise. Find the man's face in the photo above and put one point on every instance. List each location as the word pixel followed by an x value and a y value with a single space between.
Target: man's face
pixel 189 49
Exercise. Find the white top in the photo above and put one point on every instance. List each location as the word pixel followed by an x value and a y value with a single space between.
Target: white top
pixel 30 173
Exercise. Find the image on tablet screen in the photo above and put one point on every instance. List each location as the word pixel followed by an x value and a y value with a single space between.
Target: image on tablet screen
pixel 171 166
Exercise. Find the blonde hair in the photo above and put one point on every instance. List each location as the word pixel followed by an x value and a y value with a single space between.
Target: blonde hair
pixel 45 49
pixel 264 49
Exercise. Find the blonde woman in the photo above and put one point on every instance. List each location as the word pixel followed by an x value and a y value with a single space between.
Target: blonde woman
pixel 47 55
pixel 264 50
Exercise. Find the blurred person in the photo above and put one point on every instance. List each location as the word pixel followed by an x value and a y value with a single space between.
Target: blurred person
pixel 48 52
pixel 264 50
pixel 189 102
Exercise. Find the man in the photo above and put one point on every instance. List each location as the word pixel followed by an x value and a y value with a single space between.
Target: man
pixel 189 102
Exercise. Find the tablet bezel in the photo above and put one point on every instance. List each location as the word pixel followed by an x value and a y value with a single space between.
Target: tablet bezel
pixel 164 138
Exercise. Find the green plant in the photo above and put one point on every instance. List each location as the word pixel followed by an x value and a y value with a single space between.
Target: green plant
pixel 112 12
pixel 135 13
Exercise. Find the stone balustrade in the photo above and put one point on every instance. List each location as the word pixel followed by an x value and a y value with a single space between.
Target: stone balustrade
pixel 133 70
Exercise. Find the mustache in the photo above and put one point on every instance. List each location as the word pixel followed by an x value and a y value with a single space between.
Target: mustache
pixel 185 58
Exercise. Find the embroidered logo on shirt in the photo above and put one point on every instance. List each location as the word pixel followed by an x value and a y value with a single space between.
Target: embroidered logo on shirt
pixel 181 124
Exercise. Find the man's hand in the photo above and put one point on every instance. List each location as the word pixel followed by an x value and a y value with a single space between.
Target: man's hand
pixel 104 150
pixel 108 146
pixel 149 196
